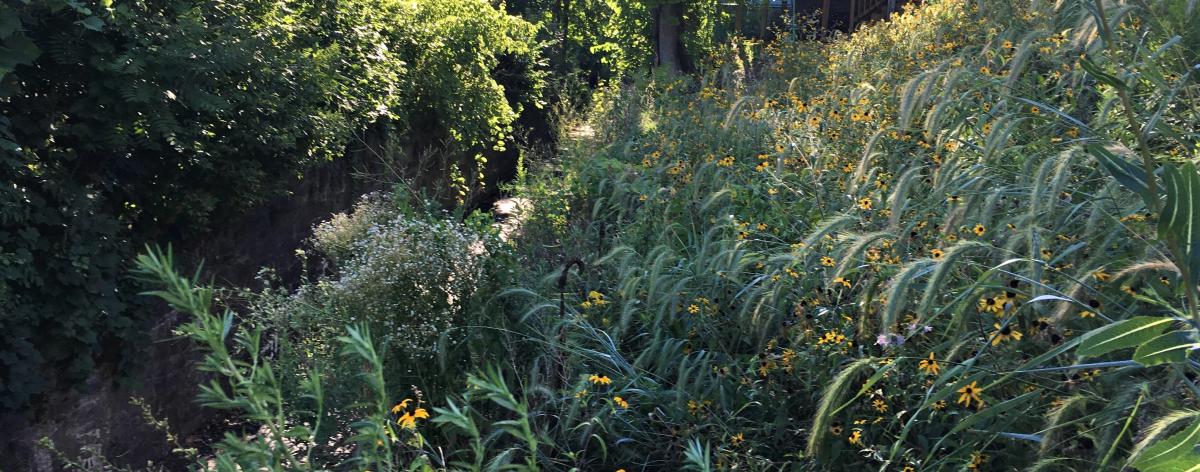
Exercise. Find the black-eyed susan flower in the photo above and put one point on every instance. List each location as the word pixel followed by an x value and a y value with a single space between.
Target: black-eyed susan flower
pixel 409 419
pixel 937 254
pixel 620 402
pixel 879 405
pixel 855 438
pixel 970 393
pixel 600 379
pixel 397 408
pixel 979 230
pixel 737 439
pixel 831 337
pixel 1101 276
pixel 835 429
pixel 954 199
pixel 1004 333
pixel 991 304
pixel 827 261
pixel 929 365
pixel 864 203
pixel 842 281
pixel 977 460
pixel 597 298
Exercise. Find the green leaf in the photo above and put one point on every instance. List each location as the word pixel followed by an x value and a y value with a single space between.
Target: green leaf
pixel 18 49
pixel 93 23
pixel 1170 347
pixel 1189 462
pixel 1127 174
pixel 1122 334
pixel 1165 454
pixel 9 23
pixel 1100 75
pixel 992 411
pixel 1180 220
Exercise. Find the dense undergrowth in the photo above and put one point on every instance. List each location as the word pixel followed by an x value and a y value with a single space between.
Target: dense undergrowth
pixel 136 121
pixel 932 245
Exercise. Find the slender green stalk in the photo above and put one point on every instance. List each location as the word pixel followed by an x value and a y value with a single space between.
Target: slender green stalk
pixel 1148 164
pixel 1117 440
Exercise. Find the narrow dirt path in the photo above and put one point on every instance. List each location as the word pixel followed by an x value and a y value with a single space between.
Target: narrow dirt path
pixel 510 213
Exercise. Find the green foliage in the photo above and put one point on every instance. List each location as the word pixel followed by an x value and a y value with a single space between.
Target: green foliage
pixel 247 382
pixel 906 249
pixel 133 121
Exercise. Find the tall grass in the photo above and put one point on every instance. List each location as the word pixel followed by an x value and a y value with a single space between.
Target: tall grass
pixel 897 250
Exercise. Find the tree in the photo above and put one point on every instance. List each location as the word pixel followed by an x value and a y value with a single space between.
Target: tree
pixel 670 26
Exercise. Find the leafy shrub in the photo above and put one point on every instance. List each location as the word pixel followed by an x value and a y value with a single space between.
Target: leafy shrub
pixel 409 278
pixel 132 121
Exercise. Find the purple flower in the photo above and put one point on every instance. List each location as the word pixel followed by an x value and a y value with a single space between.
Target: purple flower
pixel 888 339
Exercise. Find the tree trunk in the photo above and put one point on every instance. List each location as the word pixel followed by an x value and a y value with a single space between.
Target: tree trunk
pixel 739 13
pixel 764 19
pixel 825 15
pixel 670 46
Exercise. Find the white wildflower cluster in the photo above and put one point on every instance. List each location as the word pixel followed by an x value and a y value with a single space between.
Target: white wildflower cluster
pixel 407 277
pixel 410 278
pixel 335 237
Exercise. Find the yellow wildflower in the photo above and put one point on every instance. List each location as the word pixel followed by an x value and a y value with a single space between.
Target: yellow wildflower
pixel 930 365
pixel 1004 334
pixel 970 393
pixel 855 437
